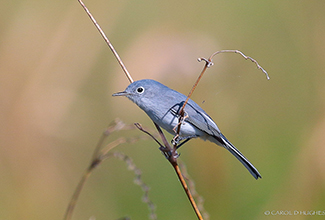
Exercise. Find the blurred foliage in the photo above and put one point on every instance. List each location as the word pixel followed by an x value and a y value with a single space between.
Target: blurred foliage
pixel 57 77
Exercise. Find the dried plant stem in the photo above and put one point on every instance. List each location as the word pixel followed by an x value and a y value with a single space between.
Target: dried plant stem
pixel 187 191
pixel 191 185
pixel 100 154
pixel 181 112
pixel 76 193
pixel 245 57
pixel 171 155
pixel 172 158
pixel 116 125
pixel 107 41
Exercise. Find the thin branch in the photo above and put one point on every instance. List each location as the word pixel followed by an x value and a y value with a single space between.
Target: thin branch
pixel 206 66
pixel 191 185
pixel 73 201
pixel 187 191
pixel 116 125
pixel 139 126
pixel 245 57
pixel 181 112
pixel 164 139
pixel 172 156
pixel 127 74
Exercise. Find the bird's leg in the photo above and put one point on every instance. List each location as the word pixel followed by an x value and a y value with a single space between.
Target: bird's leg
pixel 185 141
pixel 177 139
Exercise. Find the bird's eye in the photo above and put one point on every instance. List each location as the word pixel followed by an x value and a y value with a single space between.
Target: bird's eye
pixel 140 90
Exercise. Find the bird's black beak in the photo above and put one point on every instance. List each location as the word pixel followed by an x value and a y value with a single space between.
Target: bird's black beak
pixel 124 93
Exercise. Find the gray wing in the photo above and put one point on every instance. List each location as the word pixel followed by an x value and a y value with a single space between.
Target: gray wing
pixel 200 119
pixel 197 117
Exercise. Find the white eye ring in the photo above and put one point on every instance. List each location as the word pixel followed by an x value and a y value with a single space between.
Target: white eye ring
pixel 140 90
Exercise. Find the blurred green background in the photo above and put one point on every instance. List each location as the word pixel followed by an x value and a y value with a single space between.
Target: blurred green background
pixel 57 77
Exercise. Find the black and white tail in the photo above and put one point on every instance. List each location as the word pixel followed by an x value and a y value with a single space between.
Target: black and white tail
pixel 222 140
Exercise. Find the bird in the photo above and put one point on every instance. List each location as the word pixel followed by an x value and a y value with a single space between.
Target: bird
pixel 163 104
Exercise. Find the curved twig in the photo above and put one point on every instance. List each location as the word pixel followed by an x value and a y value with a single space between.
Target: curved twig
pixel 209 63
pixel 245 57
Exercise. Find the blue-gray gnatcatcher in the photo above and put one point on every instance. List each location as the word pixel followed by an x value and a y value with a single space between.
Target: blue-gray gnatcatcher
pixel 163 104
